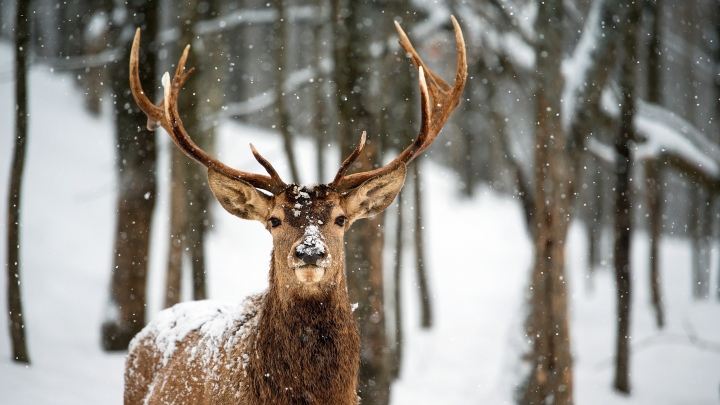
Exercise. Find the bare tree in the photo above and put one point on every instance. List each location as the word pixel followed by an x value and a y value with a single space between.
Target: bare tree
pixel 716 89
pixel 699 228
pixel 652 169
pixel 189 203
pixel 623 199
pixel 16 321
pixel 352 76
pixel 655 199
pixel 397 290
pixel 136 164
pixel 421 265
pixel 320 94
pixel 547 325
pixel 178 215
pixel 284 121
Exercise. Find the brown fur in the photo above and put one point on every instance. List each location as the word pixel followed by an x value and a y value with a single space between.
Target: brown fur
pixel 297 343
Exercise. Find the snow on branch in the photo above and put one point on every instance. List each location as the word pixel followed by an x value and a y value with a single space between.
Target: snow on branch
pixel 680 125
pixel 604 152
pixel 521 17
pixel 486 33
pixel 668 135
pixel 85 61
pixel 576 68
pixel 438 15
pixel 663 135
pixel 258 103
pixel 586 70
pixel 247 16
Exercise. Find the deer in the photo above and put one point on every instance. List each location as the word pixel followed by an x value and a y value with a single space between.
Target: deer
pixel 297 342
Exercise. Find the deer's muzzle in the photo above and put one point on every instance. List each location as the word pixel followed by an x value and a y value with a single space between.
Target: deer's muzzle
pixel 309 274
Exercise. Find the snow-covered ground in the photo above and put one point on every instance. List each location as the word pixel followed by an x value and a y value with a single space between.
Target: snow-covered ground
pixel 479 257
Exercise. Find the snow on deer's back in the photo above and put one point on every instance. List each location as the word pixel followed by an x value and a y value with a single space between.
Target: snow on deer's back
pixel 200 334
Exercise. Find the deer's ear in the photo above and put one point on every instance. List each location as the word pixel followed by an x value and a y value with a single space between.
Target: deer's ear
pixel 238 197
pixel 374 195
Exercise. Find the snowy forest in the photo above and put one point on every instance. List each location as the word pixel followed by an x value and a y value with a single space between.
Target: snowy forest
pixel 558 243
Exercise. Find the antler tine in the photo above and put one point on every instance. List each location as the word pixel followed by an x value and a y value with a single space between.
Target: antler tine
pixel 437 100
pixel 153 112
pixel 153 124
pixel 268 167
pixel 349 161
pixel 166 114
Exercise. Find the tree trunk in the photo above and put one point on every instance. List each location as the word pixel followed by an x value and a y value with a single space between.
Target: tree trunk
pixel 652 169
pixel 623 202
pixel 281 108
pixel 421 266
pixel 594 222
pixel 397 290
pixel 189 193
pixel 523 187
pixel 211 73
pixel 716 57
pixel 196 174
pixel 353 67
pixel 699 228
pixel 654 74
pixel 136 160
pixel 365 286
pixel 16 321
pixel 550 379
pixel 655 200
pixel 320 94
pixel 178 216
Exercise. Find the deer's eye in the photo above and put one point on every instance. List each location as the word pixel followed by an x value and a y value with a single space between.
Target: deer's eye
pixel 275 222
pixel 340 221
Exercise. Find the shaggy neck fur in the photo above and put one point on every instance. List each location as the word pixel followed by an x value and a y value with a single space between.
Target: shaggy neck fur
pixel 306 349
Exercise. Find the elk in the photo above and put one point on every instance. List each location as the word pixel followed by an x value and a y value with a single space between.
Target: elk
pixel 297 342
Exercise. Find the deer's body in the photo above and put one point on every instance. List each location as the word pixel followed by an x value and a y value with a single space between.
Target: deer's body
pixel 298 342
pixel 256 353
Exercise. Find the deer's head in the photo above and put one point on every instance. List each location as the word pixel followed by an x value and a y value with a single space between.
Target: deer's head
pixel 307 223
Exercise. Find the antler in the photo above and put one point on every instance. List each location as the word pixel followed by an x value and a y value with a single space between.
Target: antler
pixel 432 88
pixel 166 114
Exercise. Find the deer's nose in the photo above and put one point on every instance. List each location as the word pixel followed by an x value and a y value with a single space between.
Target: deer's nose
pixel 310 254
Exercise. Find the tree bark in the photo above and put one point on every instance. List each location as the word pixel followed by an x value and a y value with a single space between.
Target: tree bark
pixel 354 31
pixel 594 218
pixel 652 168
pixel 211 66
pixel 136 161
pixel 716 57
pixel 195 180
pixel 550 378
pixel 178 216
pixel 700 221
pixel 397 290
pixel 655 200
pixel 189 193
pixel 623 202
pixel 421 267
pixel 320 93
pixel 654 74
pixel 16 320
pixel 281 108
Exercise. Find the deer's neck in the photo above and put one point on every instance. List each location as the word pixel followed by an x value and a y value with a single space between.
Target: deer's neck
pixel 307 348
